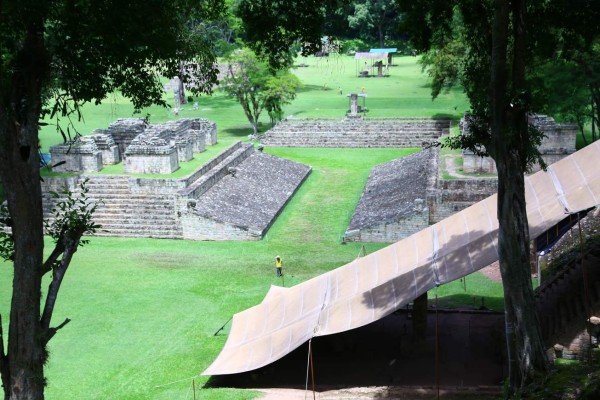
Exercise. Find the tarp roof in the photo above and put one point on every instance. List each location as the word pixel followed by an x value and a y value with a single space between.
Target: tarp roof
pixel 369 56
pixel 388 50
pixel 376 285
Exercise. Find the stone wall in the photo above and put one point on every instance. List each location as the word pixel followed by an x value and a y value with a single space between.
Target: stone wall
pixel 564 307
pixel 450 196
pixel 356 132
pixel 558 143
pixel 199 228
pixel 124 130
pixel 248 198
pixel 150 155
pixel 107 146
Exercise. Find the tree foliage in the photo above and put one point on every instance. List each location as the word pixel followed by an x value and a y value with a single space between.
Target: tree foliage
pixel 54 56
pixel 256 88
pixel 374 19
pixel 273 28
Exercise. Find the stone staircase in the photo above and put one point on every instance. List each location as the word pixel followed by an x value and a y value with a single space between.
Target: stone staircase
pixel 563 305
pixel 213 171
pixel 356 133
pixel 125 213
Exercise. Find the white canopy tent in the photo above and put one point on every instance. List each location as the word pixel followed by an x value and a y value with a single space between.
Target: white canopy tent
pixel 376 285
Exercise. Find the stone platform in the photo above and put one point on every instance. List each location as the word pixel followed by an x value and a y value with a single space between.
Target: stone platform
pixel 209 204
pixel 356 132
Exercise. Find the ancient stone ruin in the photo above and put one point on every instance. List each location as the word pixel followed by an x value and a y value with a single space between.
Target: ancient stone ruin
pixel 373 219
pixel 143 147
pixel 558 143
pixel 393 204
pixel 79 155
pixel 236 195
pixel 356 132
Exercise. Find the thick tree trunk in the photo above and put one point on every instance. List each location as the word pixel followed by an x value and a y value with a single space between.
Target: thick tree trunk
pixel 509 148
pixel 19 171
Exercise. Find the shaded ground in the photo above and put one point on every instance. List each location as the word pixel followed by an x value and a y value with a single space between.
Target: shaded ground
pixel 385 360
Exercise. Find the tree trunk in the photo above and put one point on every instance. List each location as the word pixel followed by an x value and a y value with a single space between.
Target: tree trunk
pixel 19 171
pixel 510 137
pixel 181 92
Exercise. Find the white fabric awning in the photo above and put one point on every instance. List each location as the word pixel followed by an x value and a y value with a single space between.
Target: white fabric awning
pixel 370 56
pixel 376 285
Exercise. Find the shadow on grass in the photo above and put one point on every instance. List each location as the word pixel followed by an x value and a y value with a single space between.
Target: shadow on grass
pixel 216 101
pixel 445 115
pixel 311 88
pixel 469 301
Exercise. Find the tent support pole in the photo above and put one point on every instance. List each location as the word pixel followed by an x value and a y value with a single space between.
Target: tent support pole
pixel 437 349
pixel 312 368
pixel 223 327
pixel 586 293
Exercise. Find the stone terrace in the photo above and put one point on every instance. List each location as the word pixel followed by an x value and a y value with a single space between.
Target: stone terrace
pixel 393 204
pixel 356 132
pixel 166 208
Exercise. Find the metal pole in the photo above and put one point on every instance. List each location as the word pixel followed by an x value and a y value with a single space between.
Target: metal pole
pixel 312 368
pixel 437 349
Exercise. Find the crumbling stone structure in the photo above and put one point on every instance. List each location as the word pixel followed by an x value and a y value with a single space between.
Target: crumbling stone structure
pixel 558 143
pixel 151 145
pixel 148 154
pixel 108 148
pixel 394 205
pixel 569 312
pixel 212 203
pixel 81 154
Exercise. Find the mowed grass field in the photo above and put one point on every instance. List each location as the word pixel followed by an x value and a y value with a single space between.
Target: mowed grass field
pixel 144 311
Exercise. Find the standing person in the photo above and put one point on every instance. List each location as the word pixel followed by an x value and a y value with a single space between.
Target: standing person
pixel 279 266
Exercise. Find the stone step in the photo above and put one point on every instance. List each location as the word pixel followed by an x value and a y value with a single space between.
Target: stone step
pixel 137 234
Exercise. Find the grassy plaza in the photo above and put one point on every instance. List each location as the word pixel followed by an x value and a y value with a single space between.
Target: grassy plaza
pixel 144 311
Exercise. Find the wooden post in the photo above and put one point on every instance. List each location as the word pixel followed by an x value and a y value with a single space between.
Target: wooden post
pixel 194 387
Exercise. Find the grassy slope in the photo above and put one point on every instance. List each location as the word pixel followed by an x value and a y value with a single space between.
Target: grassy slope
pixel 144 311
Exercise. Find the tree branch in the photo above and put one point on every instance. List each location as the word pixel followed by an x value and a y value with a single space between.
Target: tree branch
pixel 70 245
pixel 52 331
pixel 51 260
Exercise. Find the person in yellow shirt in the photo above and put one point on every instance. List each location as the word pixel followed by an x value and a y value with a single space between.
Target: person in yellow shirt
pixel 279 266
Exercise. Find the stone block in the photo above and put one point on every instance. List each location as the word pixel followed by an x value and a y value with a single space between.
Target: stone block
pixel 108 148
pixel 81 155
pixel 150 155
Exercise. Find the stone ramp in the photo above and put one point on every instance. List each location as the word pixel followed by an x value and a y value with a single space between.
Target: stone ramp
pixel 356 132
pixel 393 203
pixel 250 197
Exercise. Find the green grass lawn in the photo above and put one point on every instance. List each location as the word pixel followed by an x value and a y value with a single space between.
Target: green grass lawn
pixel 144 311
